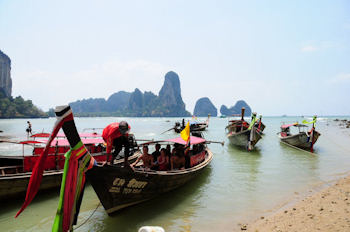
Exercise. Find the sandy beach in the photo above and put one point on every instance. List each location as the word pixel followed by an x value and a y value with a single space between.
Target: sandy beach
pixel 327 210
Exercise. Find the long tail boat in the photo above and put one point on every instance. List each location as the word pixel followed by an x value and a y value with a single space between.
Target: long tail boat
pixel 260 125
pixel 119 187
pixel 194 126
pixel 241 133
pixel 15 171
pixel 303 139
pixel 116 186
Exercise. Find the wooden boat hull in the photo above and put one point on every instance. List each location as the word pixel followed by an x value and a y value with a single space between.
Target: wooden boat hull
pixel 301 140
pixel 15 185
pixel 241 139
pixel 118 187
pixel 262 126
pixel 198 127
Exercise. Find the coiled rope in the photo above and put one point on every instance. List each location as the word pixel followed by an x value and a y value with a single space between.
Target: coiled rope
pixel 99 204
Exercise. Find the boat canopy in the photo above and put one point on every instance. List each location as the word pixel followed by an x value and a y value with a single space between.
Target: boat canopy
pixel 293 124
pixel 40 135
pixel 193 140
pixel 29 142
pixel 92 135
pixel 62 135
pixel 64 142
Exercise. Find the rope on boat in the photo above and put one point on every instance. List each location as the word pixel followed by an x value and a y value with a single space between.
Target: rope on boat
pixel 99 204
pixel 338 145
pixel 330 183
pixel 297 148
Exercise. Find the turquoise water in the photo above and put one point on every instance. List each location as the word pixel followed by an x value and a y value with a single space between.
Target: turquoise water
pixel 238 186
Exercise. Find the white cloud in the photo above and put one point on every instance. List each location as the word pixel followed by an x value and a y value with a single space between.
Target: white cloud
pixel 48 89
pixel 341 78
pixel 309 48
pixel 318 46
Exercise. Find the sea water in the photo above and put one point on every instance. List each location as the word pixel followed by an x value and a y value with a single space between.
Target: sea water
pixel 238 186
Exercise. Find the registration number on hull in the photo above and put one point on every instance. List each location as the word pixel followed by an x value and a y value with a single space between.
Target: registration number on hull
pixel 127 187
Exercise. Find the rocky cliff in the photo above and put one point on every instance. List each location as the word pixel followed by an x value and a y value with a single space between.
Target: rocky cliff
pixel 136 100
pixel 13 107
pixel 137 104
pixel 204 107
pixel 170 93
pixel 5 74
pixel 89 105
pixel 170 100
pixel 118 101
pixel 236 109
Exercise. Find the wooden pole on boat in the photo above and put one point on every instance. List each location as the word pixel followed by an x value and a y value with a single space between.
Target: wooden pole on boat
pixel 56 155
pixel 68 126
pixel 168 130
pixel 313 133
pixel 242 117
pixel 222 143
pixel 23 158
pixel 242 113
pixel 145 140
pixel 259 122
pixel 207 121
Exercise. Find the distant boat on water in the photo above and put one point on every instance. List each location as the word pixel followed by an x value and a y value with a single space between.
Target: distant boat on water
pixel 303 139
pixel 243 134
pixel 194 125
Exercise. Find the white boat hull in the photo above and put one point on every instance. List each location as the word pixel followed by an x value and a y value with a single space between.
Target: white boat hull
pixel 241 139
pixel 301 140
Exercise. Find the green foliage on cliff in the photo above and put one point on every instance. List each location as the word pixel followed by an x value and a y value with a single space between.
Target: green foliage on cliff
pixel 18 108
pixel 168 103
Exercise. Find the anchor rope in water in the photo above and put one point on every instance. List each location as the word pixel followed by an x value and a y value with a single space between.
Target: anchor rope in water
pixel 77 227
pixel 339 145
pixel 297 148
pixel 330 183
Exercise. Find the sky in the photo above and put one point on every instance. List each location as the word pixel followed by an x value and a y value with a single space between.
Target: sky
pixel 281 57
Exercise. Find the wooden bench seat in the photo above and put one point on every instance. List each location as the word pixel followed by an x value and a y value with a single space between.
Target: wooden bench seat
pixel 15 167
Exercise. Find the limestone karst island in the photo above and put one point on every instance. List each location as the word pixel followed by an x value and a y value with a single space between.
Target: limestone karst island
pixel 167 116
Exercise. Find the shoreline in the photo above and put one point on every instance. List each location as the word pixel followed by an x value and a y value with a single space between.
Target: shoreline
pixel 324 210
pixel 323 207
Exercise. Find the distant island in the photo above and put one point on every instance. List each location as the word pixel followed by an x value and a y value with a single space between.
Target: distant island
pixel 204 107
pixel 236 109
pixel 14 107
pixel 168 103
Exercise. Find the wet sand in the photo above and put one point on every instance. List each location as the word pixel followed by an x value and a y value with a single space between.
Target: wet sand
pixel 327 210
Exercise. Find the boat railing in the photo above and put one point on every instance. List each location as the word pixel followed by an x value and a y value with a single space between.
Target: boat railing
pixel 141 169
pixel 12 168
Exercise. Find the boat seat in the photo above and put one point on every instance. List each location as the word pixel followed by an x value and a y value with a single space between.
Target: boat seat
pixel 283 134
pixel 3 169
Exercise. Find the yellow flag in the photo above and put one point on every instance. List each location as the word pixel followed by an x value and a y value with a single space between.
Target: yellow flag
pixel 185 133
